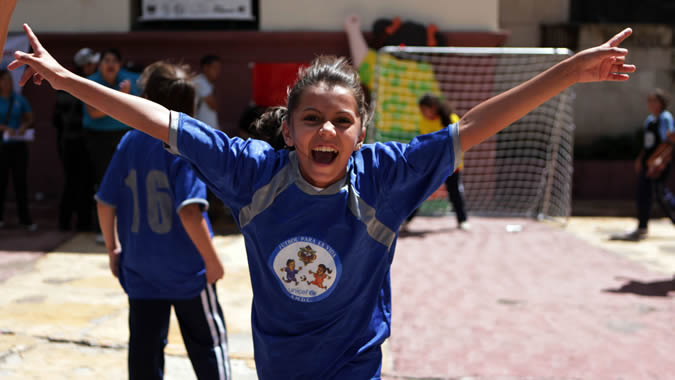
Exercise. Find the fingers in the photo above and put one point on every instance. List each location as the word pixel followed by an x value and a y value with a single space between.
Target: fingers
pixel 619 37
pixel 34 42
pixel 620 68
pixel 15 64
pixel 618 77
pixel 27 74
pixel 37 79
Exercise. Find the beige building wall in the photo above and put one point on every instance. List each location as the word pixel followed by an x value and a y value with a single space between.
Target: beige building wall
pixel 282 15
pixel 523 17
pixel 275 15
pixel 72 16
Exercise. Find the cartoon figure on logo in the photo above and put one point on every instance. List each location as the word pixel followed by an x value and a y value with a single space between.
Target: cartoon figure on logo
pixel 307 255
pixel 290 271
pixel 319 276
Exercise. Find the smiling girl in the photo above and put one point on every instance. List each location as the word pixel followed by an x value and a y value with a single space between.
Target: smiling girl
pixel 328 191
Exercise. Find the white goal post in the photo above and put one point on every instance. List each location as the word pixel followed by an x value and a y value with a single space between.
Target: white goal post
pixel 526 169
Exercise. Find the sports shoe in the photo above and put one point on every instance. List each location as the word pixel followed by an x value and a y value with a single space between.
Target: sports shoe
pixel 465 226
pixel 636 235
pixel 99 239
pixel 31 227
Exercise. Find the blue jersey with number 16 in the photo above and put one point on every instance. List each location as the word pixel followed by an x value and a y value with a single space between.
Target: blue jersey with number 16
pixel 148 186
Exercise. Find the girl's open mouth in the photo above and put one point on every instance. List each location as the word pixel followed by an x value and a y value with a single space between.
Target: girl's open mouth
pixel 324 155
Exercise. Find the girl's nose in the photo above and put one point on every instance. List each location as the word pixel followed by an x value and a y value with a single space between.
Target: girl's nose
pixel 327 129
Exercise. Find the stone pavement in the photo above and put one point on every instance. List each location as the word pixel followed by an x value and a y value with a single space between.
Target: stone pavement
pixel 543 303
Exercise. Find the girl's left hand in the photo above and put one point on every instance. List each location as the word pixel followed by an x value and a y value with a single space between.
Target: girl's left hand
pixel 606 62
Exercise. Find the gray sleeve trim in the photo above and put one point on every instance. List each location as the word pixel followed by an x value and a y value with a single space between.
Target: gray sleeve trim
pixel 104 202
pixel 456 146
pixel 201 201
pixel 172 147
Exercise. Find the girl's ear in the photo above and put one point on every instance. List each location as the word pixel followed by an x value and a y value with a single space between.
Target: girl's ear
pixel 359 141
pixel 286 132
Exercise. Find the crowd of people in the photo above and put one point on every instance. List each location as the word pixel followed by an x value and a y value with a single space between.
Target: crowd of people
pixel 319 209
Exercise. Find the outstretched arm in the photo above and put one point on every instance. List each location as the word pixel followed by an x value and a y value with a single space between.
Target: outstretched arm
pixel 139 113
pixel 6 10
pixel 358 47
pixel 602 63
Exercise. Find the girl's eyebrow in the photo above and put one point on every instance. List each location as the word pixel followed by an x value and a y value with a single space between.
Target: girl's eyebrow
pixel 310 108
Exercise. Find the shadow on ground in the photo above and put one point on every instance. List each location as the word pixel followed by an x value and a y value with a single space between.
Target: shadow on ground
pixel 647 289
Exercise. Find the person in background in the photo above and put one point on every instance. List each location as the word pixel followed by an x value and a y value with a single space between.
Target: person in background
pixel 437 114
pixel 658 129
pixel 207 103
pixel 207 111
pixel 78 186
pixel 16 118
pixel 151 207
pixel 102 132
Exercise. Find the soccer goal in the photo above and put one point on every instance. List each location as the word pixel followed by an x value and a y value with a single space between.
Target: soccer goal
pixel 525 170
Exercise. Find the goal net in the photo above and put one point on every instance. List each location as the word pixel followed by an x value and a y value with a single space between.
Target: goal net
pixel 526 169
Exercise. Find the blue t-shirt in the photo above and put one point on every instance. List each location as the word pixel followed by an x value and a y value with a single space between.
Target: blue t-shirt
pixel 107 123
pixel 19 108
pixel 666 125
pixel 319 260
pixel 148 186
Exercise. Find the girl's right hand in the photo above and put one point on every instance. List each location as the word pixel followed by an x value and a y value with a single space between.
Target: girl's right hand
pixel 40 65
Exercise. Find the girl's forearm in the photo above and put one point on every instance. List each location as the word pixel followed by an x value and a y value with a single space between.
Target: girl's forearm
pixel 198 231
pixel 106 220
pixel 134 111
pixel 495 114
pixel 6 10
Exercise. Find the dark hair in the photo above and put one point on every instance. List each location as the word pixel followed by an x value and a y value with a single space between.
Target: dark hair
pixel 443 108
pixel 387 32
pixel 328 70
pixel 208 59
pixel 169 85
pixel 661 96
pixel 3 72
pixel 289 261
pixel 112 51
pixel 325 268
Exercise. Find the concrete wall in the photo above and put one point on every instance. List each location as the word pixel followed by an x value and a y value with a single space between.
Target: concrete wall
pixel 523 17
pixel 601 109
pixel 329 15
pixel 73 16
pixel 275 15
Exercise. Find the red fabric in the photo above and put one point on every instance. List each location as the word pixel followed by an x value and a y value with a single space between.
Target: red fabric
pixel 270 81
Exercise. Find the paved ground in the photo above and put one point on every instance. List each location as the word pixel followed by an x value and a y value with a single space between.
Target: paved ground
pixel 543 303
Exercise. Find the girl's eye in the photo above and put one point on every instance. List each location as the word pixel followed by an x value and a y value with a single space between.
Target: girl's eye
pixel 343 121
pixel 311 118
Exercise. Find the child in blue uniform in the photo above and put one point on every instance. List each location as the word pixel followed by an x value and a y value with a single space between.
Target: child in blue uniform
pixel 328 191
pixel 166 257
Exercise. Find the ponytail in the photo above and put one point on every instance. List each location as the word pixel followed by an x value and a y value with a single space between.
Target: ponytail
pixel 268 127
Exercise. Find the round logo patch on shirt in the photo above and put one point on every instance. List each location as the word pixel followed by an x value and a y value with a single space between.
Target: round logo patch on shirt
pixel 307 269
